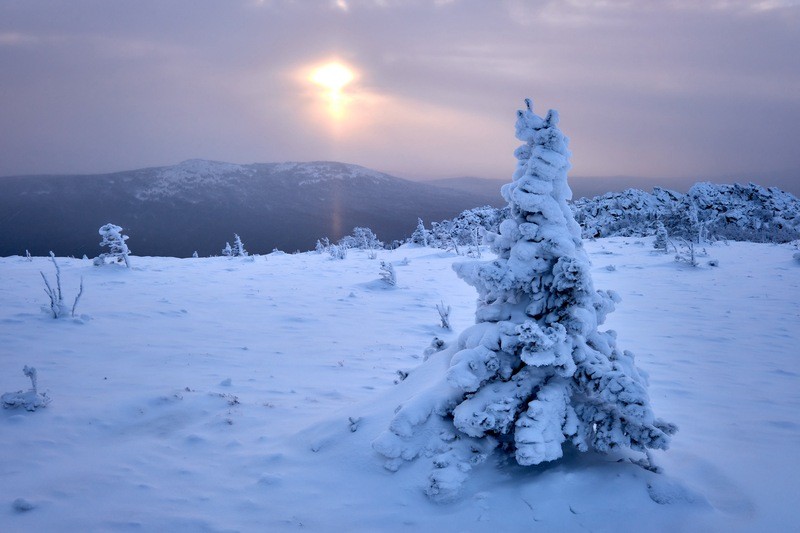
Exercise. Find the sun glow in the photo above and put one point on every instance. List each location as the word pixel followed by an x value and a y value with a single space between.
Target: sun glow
pixel 334 77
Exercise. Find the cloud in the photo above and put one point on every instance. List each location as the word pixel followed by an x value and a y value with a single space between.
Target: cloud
pixel 649 88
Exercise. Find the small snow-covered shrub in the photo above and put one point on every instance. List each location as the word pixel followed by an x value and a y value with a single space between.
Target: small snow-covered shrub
pixel 238 247
pixel 661 241
pixel 237 250
pixel 337 251
pixel 388 274
pixel 444 315
pixel 30 399
pixel 420 235
pixel 118 251
pixel 322 245
pixel 57 305
pixel 534 373
pixel 361 239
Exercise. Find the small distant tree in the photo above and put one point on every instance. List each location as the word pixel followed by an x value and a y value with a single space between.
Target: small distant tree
pixel 420 235
pixel 388 274
pixel 228 250
pixel 322 245
pixel 338 251
pixel 692 235
pixel 361 239
pixel 238 247
pixel 118 251
pixel 661 241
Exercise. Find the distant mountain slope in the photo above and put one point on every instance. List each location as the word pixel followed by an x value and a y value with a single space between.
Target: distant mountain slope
pixel 198 205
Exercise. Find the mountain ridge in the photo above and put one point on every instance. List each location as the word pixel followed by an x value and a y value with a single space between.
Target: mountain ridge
pixel 198 204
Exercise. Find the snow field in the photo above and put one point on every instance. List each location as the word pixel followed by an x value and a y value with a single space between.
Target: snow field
pixel 224 394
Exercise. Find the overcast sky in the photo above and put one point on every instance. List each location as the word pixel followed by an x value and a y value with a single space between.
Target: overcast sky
pixel 669 88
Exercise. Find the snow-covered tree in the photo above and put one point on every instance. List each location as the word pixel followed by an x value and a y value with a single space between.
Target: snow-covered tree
pixel 118 251
pixel 238 247
pixel 322 245
pixel 228 250
pixel 535 372
pixel 361 239
pixel 388 275
pixel 420 235
pixel 661 241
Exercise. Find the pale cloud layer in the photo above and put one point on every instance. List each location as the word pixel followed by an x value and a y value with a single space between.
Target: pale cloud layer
pixel 657 88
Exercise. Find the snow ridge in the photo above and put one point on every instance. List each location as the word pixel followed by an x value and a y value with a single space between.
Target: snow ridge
pixel 193 174
pixel 321 171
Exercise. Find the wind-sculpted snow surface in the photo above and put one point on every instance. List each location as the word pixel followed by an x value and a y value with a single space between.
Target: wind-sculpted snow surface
pixel 535 372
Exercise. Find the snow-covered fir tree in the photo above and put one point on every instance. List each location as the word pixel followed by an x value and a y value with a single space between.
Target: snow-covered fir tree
pixel 118 251
pixel 388 274
pixel 420 235
pixel 238 246
pixel 535 372
pixel 228 250
pixel 661 241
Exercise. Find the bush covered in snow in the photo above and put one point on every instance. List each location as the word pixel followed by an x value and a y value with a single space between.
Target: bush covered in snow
pixel 388 275
pixel 118 251
pixel 464 233
pixel 361 239
pixel 535 372
pixel 237 250
pixel 735 212
pixel 31 399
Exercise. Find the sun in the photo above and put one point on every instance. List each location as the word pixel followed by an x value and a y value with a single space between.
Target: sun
pixel 333 77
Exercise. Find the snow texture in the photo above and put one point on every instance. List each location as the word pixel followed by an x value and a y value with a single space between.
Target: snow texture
pixel 141 435
pixel 535 372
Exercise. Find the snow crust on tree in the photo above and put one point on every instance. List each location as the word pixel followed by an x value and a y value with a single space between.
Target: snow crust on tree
pixel 388 274
pixel 361 239
pixel 238 247
pixel 420 235
pixel 661 241
pixel 535 372
pixel 118 251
